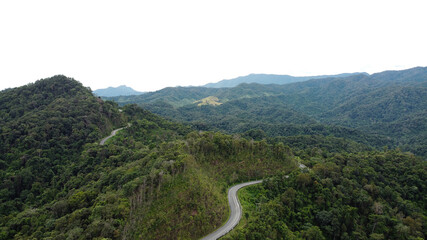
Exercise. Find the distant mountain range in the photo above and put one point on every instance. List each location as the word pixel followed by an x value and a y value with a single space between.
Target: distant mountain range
pixel 271 79
pixel 166 180
pixel 116 91
pixel 390 104
pixel 124 90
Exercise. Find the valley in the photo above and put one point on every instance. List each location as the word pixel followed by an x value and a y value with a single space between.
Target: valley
pixel 382 109
pixel 159 165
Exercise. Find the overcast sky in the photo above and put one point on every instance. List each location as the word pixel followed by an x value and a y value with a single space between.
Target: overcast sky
pixel 149 45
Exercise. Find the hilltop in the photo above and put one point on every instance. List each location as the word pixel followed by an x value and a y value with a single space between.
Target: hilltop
pixel 59 182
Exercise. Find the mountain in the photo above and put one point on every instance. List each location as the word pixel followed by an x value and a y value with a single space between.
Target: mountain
pixel 116 91
pixel 182 96
pixel 387 106
pixel 157 179
pixel 270 79
pixel 52 114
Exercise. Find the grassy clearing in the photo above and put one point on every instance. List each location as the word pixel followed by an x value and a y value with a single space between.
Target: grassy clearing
pixel 211 100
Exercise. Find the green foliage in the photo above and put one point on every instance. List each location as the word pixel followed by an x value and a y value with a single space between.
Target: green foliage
pixel 155 178
pixel 377 195
pixel 43 128
pixel 384 109
pixel 158 179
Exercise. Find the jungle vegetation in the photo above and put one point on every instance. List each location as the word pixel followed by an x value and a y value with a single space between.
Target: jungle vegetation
pixel 362 138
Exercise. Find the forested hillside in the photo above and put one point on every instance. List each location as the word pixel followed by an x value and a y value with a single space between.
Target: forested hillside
pixel 368 195
pixel 43 127
pixel 156 179
pixel 383 109
pixel 182 96
pixel 159 179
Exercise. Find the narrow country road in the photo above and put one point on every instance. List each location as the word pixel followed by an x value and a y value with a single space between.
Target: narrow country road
pixel 235 212
pixel 111 135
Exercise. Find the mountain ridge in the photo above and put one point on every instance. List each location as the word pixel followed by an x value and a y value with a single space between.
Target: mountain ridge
pixel 271 79
pixel 121 90
pixel 362 102
pixel 158 179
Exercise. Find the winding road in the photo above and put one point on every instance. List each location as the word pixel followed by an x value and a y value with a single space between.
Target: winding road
pixel 113 133
pixel 235 212
pixel 233 201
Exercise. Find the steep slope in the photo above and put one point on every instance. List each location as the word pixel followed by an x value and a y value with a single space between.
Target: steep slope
pixel 43 127
pixel 385 105
pixel 315 97
pixel 375 195
pixel 160 180
pixel 155 179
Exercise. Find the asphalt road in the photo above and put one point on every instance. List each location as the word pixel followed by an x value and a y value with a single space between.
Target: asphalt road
pixel 111 135
pixel 235 212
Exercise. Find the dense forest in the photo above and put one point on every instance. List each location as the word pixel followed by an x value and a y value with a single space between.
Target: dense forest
pixel 156 178
pixel 166 177
pixel 367 195
pixel 382 109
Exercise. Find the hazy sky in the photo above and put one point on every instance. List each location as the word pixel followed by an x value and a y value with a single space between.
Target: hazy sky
pixel 149 45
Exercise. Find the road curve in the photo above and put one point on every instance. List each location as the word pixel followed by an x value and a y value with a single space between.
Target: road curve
pixel 235 212
pixel 111 135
